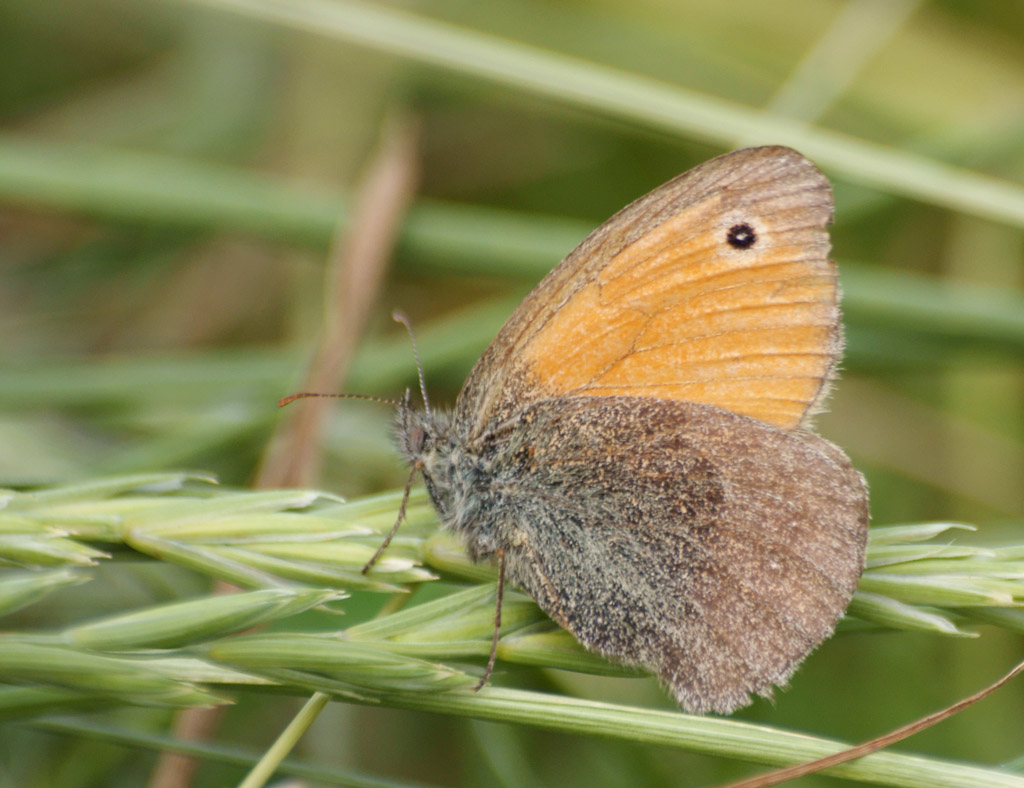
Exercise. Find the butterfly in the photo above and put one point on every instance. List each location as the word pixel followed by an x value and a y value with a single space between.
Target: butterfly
pixel 634 447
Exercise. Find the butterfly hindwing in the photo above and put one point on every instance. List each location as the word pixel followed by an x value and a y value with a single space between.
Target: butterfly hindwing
pixel 715 550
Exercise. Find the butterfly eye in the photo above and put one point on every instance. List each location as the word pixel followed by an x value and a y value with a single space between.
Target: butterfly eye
pixel 741 236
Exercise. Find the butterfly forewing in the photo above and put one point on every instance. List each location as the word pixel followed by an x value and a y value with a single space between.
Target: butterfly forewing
pixel 661 301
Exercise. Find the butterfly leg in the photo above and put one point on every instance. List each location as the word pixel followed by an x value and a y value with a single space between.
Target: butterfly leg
pixel 497 622
pixel 398 520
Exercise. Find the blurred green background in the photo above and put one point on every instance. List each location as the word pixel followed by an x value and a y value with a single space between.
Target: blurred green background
pixel 172 174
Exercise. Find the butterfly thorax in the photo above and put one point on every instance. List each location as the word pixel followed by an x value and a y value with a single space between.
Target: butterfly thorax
pixel 460 479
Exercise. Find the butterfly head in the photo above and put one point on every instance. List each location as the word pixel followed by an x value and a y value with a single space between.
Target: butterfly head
pixel 425 440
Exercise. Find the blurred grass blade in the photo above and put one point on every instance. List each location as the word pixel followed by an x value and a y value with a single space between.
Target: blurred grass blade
pixel 93 489
pixel 889 612
pixel 22 589
pixel 412 618
pixel 558 649
pixel 457 238
pixel 18 703
pixel 638 99
pixel 356 664
pixel 946 591
pixel 237 756
pixel 708 735
pixel 205 561
pixel 125 680
pixel 181 623
pixel 45 549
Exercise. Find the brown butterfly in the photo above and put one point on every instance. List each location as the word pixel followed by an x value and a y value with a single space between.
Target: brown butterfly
pixel 633 447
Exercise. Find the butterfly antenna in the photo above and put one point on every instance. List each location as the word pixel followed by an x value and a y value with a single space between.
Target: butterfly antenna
pixel 399 317
pixel 308 394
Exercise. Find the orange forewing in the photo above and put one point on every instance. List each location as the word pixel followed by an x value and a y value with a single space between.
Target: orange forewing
pixel 656 303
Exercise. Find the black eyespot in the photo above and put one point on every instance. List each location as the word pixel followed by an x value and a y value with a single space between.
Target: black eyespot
pixel 741 236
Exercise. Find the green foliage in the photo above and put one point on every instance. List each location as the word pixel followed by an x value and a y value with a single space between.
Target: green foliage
pixel 189 653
